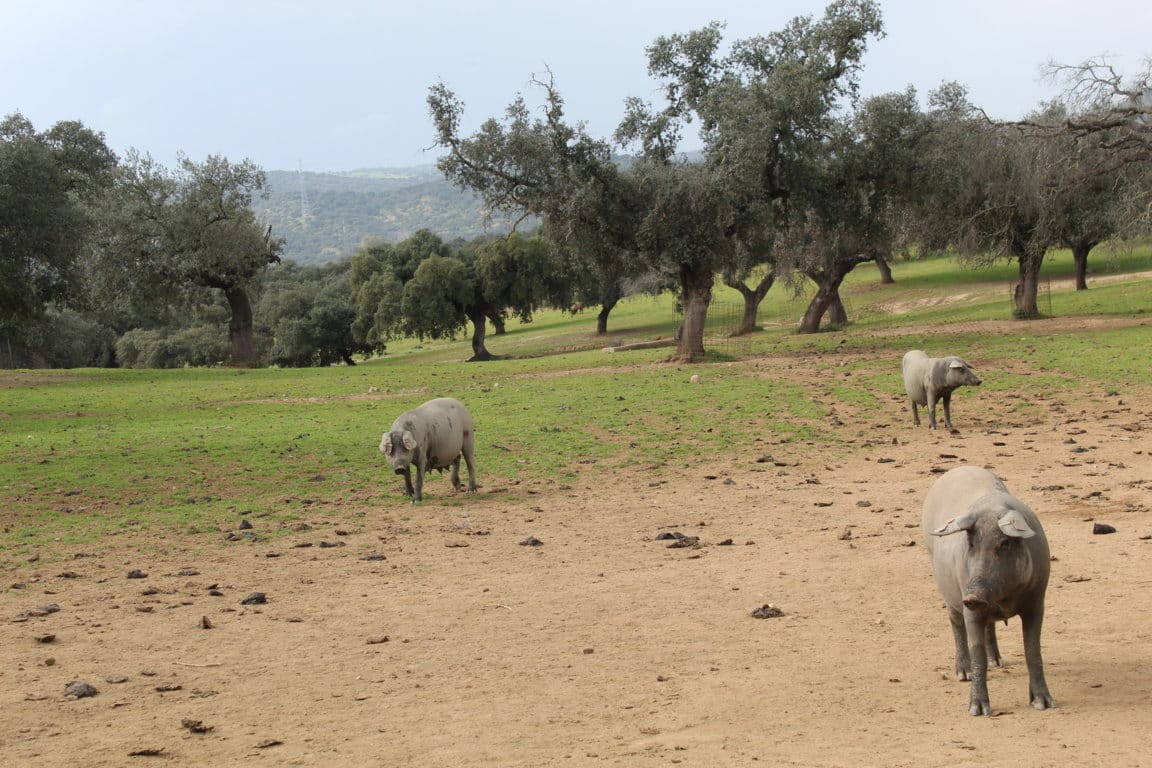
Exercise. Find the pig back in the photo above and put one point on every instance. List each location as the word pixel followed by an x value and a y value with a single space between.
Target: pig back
pixel 444 425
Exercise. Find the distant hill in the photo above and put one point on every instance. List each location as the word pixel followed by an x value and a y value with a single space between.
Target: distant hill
pixel 323 216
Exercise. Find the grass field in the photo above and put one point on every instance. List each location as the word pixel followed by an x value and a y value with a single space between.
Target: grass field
pixel 91 453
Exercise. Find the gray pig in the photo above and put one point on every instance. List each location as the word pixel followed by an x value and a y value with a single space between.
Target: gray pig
pixel 931 379
pixel 991 561
pixel 431 436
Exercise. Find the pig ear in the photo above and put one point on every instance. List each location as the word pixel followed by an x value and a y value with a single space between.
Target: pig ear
pixel 1012 523
pixel 956 364
pixel 386 444
pixel 955 525
pixel 409 440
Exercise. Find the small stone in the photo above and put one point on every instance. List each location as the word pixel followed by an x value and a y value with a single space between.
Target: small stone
pixel 45 638
pixel 531 541
pixel 188 572
pixel 255 598
pixel 205 622
pixel 136 573
pixel 196 726
pixel 767 611
pixel 79 689
pixel 374 557
pixel 116 679
pixel 245 525
pixel 1102 528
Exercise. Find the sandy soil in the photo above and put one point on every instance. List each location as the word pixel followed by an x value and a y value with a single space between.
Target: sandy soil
pixel 603 646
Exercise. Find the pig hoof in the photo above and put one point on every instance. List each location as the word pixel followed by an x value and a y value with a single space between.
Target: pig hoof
pixel 980 708
pixel 1043 702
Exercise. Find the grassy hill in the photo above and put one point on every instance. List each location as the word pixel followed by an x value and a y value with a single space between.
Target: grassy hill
pixel 322 216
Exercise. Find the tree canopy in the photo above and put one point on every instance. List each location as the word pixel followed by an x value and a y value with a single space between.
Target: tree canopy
pixel 167 235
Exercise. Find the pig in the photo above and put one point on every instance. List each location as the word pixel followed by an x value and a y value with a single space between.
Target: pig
pixel 431 436
pixel 991 562
pixel 929 380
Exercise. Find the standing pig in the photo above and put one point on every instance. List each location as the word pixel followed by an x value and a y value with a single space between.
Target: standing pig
pixel 931 379
pixel 990 559
pixel 431 436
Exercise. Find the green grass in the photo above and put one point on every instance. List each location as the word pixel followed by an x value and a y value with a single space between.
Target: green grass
pixel 89 455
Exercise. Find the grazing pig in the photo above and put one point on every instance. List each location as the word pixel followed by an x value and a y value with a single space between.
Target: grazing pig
pixel 928 380
pixel 431 436
pixel 990 559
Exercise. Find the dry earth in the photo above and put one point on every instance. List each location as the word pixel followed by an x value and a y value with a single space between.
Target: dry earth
pixel 603 646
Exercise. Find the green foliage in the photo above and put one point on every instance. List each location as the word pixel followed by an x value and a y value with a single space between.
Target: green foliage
pixel 59 339
pixel 306 316
pixel 436 297
pixel 48 181
pixel 195 346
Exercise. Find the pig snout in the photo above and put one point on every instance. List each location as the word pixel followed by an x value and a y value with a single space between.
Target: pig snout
pixel 974 602
pixel 976 597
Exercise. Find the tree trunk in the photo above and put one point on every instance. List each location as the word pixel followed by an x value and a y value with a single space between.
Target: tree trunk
pixel 837 315
pixel 1024 297
pixel 479 332
pixel 497 323
pixel 828 279
pixel 696 293
pixel 240 327
pixel 885 271
pixel 752 299
pixel 810 322
pixel 1080 250
pixel 602 317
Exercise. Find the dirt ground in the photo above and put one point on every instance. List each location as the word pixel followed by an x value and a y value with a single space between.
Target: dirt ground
pixel 603 645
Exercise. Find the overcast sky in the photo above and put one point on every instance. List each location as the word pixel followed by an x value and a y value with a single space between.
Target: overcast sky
pixel 341 84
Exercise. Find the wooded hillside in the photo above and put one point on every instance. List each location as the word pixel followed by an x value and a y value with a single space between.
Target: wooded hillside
pixel 322 216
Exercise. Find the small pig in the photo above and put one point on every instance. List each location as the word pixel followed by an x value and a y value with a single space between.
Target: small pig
pixel 931 379
pixel 991 561
pixel 431 436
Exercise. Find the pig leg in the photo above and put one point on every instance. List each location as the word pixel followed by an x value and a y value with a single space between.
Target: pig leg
pixel 467 451
pixel 947 400
pixel 992 646
pixel 455 476
pixel 915 414
pixel 408 481
pixel 963 663
pixel 1037 686
pixel 978 703
pixel 931 411
pixel 418 495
